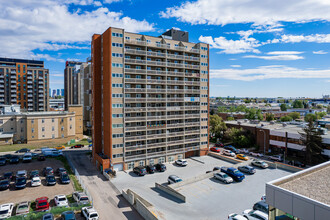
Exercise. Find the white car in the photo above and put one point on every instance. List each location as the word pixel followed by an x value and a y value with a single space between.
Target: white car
pixel 228 153
pixel 89 213
pixel 244 151
pixel 234 216
pixel 80 198
pixel 36 181
pixel 223 177
pixel 277 158
pixel 181 162
pixel 256 154
pixel 255 215
pixel 259 163
pixel 61 201
pixel 6 210
pixel 263 198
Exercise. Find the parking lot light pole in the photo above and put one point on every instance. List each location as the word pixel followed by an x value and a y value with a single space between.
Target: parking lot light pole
pixel 264 141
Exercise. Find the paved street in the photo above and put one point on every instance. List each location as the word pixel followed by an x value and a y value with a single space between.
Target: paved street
pixel 107 199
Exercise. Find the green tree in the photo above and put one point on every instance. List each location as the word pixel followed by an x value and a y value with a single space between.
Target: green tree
pixel 312 140
pixel 253 114
pixel 320 115
pixel 222 109
pixel 217 126
pixel 212 112
pixel 286 118
pixel 310 117
pixel 284 107
pixel 319 106
pixel 230 119
pixel 270 117
pixel 328 109
pixel 294 115
pixel 297 104
pixel 239 137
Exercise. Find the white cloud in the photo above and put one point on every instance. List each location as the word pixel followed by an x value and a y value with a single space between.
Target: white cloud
pixel 284 52
pixel 235 66
pixel 246 44
pixel 49 25
pixel 314 38
pixel 266 12
pixel 45 57
pixel 276 57
pixel 269 72
pixel 320 52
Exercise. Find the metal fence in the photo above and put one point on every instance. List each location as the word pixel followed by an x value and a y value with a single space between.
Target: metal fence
pixel 81 182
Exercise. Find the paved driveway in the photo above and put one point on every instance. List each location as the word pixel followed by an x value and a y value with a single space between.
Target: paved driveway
pixel 107 199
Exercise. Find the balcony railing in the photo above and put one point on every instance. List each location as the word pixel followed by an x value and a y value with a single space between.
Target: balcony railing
pixel 192 132
pixel 174 56
pixel 175 64
pixel 156 90
pixel 172 73
pixel 135 128
pixel 189 66
pixel 129 41
pixel 135 90
pixel 135 157
pixel 192 91
pixel 135 109
pixel 197 83
pixel 157 117
pixel 129 70
pixel 135 99
pixel 175 125
pixel 127 119
pixel 132 138
pixel 156 72
pixel 192 116
pixel 174 108
pixel 192 107
pixel 136 61
pixel 175 99
pixel 156 109
pixel 137 147
pixel 173 142
pixel 156 99
pixel 175 116
pixel 156 154
pixel 175 82
pixel 175 151
pixel 196 123
pixel 156 81
pixel 175 134
pixel 159 144
pixel 191 140
pixel 131 80
pixel 138 52
pixel 191 58
pixel 157 63
pixel 156 54
pixel 153 136
pixel 175 91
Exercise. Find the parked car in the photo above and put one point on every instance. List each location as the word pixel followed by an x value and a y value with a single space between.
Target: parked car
pixel 27 157
pixel 64 178
pixel 228 153
pixel 35 181
pixel 68 215
pixel 8 156
pixel 244 151
pixel 34 173
pixel 20 183
pixel 41 157
pixel 256 154
pixel 3 161
pixel 242 157
pixel 160 167
pixel 263 198
pixel 23 208
pixel 89 213
pixel 215 149
pixel 223 177
pixel 259 163
pixel 14 159
pixel 78 146
pixel 9 176
pixel 60 170
pixel 42 204
pixel 140 170
pixel 173 179
pixel 48 171
pixel 151 168
pixel 277 158
pixel 60 147
pixel 296 163
pixel 181 162
pixel 50 180
pixel 21 173
pixel 4 184
pixel 234 173
pixel 6 210
pixel 255 215
pixel 48 216
pixel 61 201
pixel 235 216
pixel 247 169
pixel 261 206
pixel 219 144
pixel 23 150
pixel 80 198
pixel 231 148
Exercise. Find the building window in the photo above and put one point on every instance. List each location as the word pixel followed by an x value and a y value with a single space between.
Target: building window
pixel 53 120
pixel 43 129
pixel 170 159
pixel 117 125
pixel 1 129
pixel 130 165
pixel 117 155
pixel 141 163
pixel 117 85
pixel 117 135
pixel 1 121
pixel 117 75
pixel 117 115
pixel 62 128
pixel 117 45
pixel 53 128
pixel 22 129
pixel 117 145
pixel 70 118
pixel 117 54
pixel 42 120
pixel 53 136
pixel 117 35
pixel 32 136
pixel 70 126
pixel 117 105
pixel 119 65
pixel 32 130
pixel 161 160
pixel 151 162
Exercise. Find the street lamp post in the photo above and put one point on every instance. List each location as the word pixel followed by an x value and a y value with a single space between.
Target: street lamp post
pixel 264 141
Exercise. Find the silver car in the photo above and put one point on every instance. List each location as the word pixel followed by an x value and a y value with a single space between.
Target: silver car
pixel 223 177
pixel 23 208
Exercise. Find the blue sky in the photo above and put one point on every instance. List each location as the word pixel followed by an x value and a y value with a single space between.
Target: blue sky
pixel 266 48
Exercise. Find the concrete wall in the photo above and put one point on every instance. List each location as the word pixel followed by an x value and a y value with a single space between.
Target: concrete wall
pixel 171 191
pixel 225 158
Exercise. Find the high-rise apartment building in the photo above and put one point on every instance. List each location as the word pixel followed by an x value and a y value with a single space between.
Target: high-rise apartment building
pixel 150 98
pixel 77 84
pixel 62 92
pixel 24 82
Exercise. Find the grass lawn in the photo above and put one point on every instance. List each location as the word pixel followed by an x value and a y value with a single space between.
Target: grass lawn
pixel 55 143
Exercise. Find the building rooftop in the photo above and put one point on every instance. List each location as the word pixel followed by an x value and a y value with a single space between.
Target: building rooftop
pixel 11 60
pixel 312 183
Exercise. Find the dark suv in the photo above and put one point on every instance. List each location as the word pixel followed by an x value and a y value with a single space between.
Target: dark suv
pixel 160 167
pixel 140 170
pixel 151 168
pixel 261 206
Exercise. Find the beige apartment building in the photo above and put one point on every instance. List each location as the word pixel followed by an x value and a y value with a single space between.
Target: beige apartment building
pixel 27 127
pixel 24 82
pixel 150 98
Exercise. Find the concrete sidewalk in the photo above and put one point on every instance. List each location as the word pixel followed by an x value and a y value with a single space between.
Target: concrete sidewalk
pixel 107 199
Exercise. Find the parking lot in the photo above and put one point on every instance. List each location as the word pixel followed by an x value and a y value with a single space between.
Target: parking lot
pixel 206 199
pixel 31 193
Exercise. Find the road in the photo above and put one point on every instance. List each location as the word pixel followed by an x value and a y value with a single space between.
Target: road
pixel 107 199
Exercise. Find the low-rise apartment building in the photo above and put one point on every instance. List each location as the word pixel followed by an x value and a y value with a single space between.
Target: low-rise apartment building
pixel 27 127
pixel 279 137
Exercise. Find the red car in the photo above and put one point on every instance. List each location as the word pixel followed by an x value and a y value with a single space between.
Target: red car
pixel 42 204
pixel 219 144
pixel 78 146
pixel 215 149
